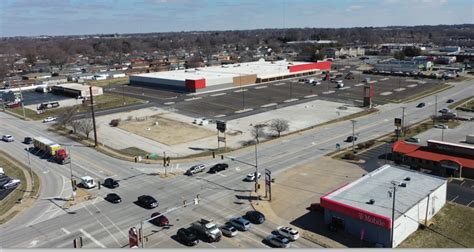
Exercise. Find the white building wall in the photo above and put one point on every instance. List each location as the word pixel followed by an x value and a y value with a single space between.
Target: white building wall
pixel 218 81
pixel 409 222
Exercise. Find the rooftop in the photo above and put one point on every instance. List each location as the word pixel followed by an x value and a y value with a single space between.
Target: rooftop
pixel 376 186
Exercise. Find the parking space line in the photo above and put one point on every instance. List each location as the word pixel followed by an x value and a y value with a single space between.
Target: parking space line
pixel 65 231
pixel 222 175
pixel 469 205
pixel 279 84
pixel 192 99
pixel 92 238
pixel 269 105
pixel 457 196
pixel 260 87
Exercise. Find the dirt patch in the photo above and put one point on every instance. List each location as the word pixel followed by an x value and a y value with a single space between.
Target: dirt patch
pixel 164 130
pixel 82 195
pixel 452 228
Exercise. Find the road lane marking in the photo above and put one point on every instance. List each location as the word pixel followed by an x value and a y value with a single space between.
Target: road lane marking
pixel 169 103
pixel 65 231
pixel 241 90
pixel 219 116
pixel 329 92
pixel 243 110
pixel 469 205
pixel 291 100
pixel 260 87
pixel 192 99
pixel 103 226
pixel 279 84
pixel 219 94
pixel 92 238
pixel 222 175
pixel 310 96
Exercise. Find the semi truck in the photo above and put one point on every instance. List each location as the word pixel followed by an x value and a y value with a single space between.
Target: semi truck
pixel 207 230
pixel 51 149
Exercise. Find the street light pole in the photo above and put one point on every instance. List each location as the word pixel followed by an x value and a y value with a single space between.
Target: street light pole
pixel 403 121
pixel 442 134
pixel 256 168
pixel 70 169
pixel 31 172
pixel 353 135
pixel 393 215
pixel 436 109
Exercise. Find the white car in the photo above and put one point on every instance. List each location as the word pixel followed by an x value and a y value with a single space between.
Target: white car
pixel 441 126
pixel 251 176
pixel 11 184
pixel 290 233
pixel 8 138
pixel 49 119
pixel 229 230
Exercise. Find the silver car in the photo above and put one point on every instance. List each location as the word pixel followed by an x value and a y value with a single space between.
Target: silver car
pixel 240 223
pixel 8 138
pixel 278 241
pixel 229 230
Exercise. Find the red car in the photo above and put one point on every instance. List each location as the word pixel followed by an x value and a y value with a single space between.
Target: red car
pixel 159 221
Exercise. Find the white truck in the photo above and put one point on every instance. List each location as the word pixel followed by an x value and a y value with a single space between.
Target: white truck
pixel 88 182
pixel 207 230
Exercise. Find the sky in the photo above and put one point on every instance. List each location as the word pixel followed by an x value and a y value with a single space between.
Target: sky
pixel 80 17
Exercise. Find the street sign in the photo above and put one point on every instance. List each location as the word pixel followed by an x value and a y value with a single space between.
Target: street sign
pixel 221 126
pixel 398 122
pixel 221 139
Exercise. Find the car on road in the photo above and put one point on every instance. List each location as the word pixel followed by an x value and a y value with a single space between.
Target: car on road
pixel 255 217
pixel 412 140
pixel 218 167
pixel 240 223
pixel 351 139
pixel 49 119
pixel 147 201
pixel 28 140
pixel 228 230
pixel 8 138
pixel 12 184
pixel 195 169
pixel 113 198
pixel 420 105
pixel 251 176
pixel 441 126
pixel 445 110
pixel 278 241
pixel 289 233
pixel 110 183
pixel 160 221
pixel 450 101
pixel 315 83
pixel 187 236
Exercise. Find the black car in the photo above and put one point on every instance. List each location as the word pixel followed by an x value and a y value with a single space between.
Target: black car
pixel 450 101
pixel 255 217
pixel 147 201
pixel 420 105
pixel 28 140
pixel 187 236
pixel 110 183
pixel 113 198
pixel 218 168
pixel 350 139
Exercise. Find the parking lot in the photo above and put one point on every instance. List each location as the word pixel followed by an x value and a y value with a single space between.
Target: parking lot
pixel 461 192
pixel 32 97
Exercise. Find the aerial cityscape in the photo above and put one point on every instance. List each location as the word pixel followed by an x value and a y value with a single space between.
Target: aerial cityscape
pixel 178 124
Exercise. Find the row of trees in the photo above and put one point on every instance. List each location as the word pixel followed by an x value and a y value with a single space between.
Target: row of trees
pixel 277 125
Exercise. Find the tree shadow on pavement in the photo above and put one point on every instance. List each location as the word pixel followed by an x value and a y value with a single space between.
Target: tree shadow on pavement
pixel 313 222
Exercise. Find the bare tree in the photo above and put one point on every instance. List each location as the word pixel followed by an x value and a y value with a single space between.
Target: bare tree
pixel 279 125
pixel 67 116
pixel 258 131
pixel 75 124
pixel 86 126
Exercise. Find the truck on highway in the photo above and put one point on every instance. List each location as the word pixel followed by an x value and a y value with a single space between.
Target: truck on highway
pixel 51 149
pixel 207 230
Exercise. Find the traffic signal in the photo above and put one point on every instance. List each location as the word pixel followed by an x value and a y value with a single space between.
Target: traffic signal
pixel 213 154
pixel 168 160
pixel 222 157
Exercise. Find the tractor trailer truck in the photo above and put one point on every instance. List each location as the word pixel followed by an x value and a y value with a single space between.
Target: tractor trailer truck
pixel 51 149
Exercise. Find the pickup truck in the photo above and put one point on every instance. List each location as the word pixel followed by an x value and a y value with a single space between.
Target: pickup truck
pixel 207 230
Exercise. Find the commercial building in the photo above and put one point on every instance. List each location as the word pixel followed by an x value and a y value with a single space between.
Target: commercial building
pixel 76 90
pixel 227 76
pixel 402 66
pixel 364 207
pixel 439 158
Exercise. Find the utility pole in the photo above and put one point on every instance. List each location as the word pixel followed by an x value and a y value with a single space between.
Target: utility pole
pixel 93 116
pixel 442 134
pixel 256 168
pixel 31 172
pixel 70 169
pixel 436 109
pixel 353 135
pixel 22 105
pixel 393 214
pixel 403 121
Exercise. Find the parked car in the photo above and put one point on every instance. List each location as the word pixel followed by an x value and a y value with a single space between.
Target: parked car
pixel 278 241
pixel 49 119
pixel 147 201
pixel 229 230
pixel 218 167
pixel 420 105
pixel 160 221
pixel 445 110
pixel 441 126
pixel 187 236
pixel 113 198
pixel 412 140
pixel 255 217
pixel 12 184
pixel 450 101
pixel 316 83
pixel 240 223
pixel 8 138
pixel 289 233
pixel 251 176
pixel 110 183
pixel 27 140
pixel 195 169
pixel 350 139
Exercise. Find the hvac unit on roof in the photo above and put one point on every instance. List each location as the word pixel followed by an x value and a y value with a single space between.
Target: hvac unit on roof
pixel 370 202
